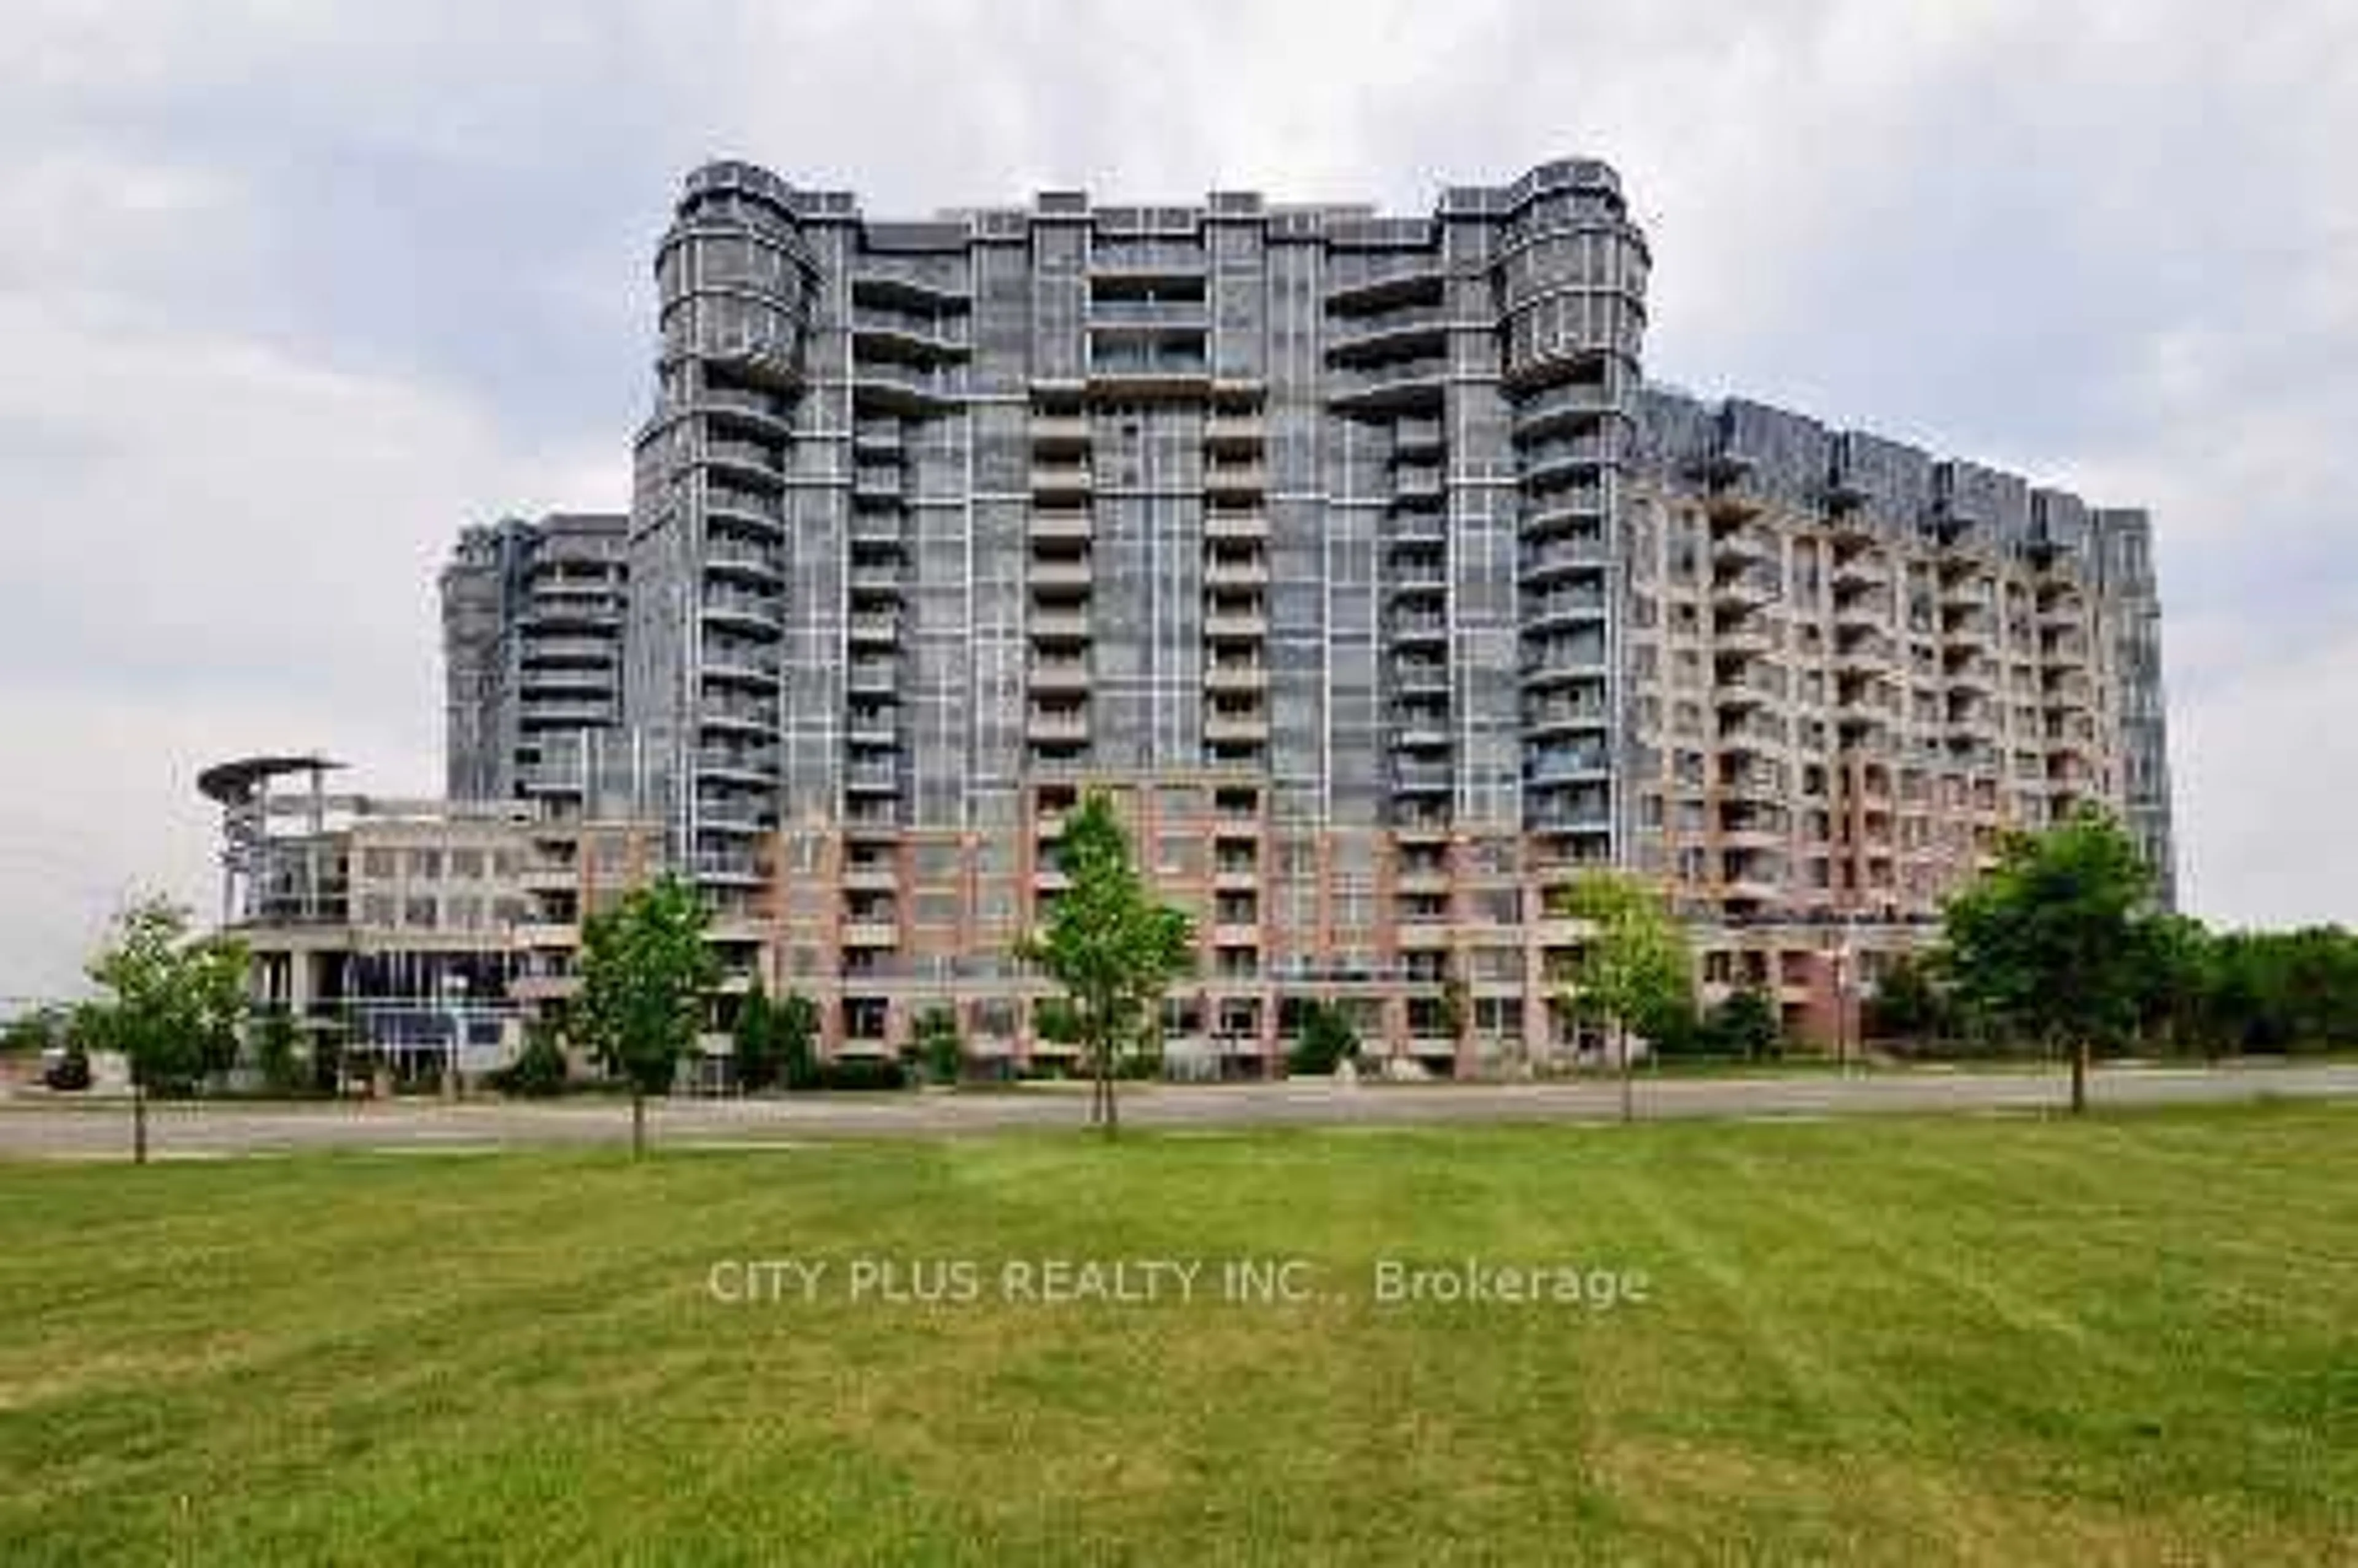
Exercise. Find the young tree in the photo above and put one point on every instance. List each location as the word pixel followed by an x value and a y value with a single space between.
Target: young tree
pixel 1633 971
pixel 645 968
pixel 1327 1040
pixel 540 1069
pixel 172 1006
pixel 1744 1023
pixel 1111 946
pixel 1910 1000
pixel 2055 939
pixel 760 1041
pixel 940 1052
pixel 276 1043
pixel 797 1019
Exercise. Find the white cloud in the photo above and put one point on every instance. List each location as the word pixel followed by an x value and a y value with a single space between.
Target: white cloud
pixel 292 292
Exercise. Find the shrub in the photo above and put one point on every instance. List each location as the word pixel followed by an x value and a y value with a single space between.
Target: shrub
pixel 539 1070
pixel 1327 1040
pixel 860 1074
pixel 939 1050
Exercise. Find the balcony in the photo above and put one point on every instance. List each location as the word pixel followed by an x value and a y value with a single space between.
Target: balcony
pixel 1062 526
pixel 1059 432
pixel 1060 675
pixel 1410 329
pixel 739 666
pixel 1735 549
pixel 1235 571
pixel 1421 486
pixel 1233 433
pixel 875 629
pixel 1863 612
pixel 742 559
pixel 873 678
pixel 753 613
pixel 1399 384
pixel 1568 406
pixel 1236 527
pixel 1546 716
pixel 1236 626
pixel 2067 651
pixel 1235 479
pixel 744 508
pixel 905 389
pixel 919 339
pixel 1565 766
pixel 1406 630
pixel 1235 726
pixel 1560 556
pixel 1149 374
pixel 1062 572
pixel 1423 778
pixel 738 765
pixel 1857 571
pixel 747 463
pixel 882 777
pixel 1565 608
pixel 1067 483
pixel 1424 677
pixel 1752 589
pixel 1234 676
pixel 1057 726
pixel 870 934
pixel 758 412
pixel 876 439
pixel 1060 625
pixel 737 715
pixel 876 486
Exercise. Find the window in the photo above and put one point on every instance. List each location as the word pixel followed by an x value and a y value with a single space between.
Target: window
pixel 417 913
pixel 467 865
pixel 425 865
pixel 377 865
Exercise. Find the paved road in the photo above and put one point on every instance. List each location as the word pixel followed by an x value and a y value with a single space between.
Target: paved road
pixel 32 1128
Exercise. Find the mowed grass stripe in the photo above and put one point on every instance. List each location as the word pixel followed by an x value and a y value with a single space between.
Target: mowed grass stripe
pixel 1922 1340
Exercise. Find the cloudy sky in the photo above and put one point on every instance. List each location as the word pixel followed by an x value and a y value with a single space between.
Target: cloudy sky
pixel 289 292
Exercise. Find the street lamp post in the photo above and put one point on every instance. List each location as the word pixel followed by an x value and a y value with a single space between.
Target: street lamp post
pixel 454 992
pixel 1843 956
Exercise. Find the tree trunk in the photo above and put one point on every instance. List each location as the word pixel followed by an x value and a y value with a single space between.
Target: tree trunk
pixel 138 1121
pixel 638 1122
pixel 1629 1083
pixel 1112 1112
pixel 2080 1076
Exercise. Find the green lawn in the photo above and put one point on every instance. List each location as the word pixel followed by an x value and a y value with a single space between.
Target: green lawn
pixel 1997 1341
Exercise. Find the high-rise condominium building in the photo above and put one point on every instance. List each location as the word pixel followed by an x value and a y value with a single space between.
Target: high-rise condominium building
pixel 532 651
pixel 1350 554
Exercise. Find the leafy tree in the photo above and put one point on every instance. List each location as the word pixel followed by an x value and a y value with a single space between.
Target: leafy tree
pixel 2178 965
pixel 1112 948
pixel 760 1041
pixel 939 1050
pixel 172 1004
pixel 1634 967
pixel 1326 1041
pixel 2053 940
pixel 1746 1023
pixel 645 968
pixel 797 1019
pixel 276 1050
